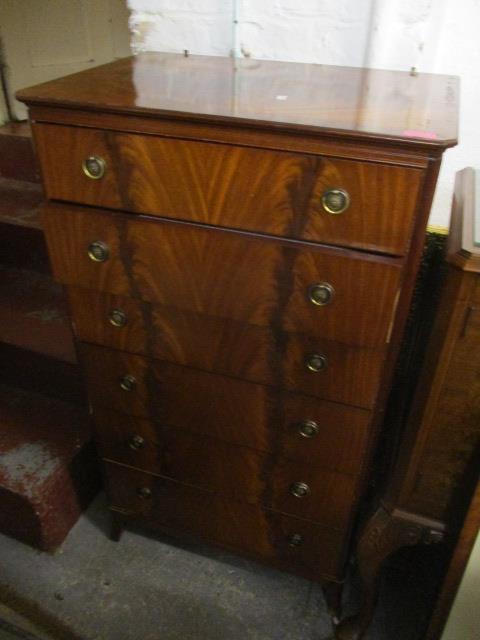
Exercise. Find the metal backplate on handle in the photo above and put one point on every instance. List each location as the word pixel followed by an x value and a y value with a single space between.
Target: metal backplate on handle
pixel 94 167
pixel 335 201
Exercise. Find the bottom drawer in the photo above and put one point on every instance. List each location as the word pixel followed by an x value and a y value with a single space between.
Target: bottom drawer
pixel 288 542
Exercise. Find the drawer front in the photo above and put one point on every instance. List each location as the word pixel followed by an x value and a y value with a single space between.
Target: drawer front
pixel 351 375
pixel 292 487
pixel 297 427
pixel 273 192
pixel 170 333
pixel 228 275
pixel 239 526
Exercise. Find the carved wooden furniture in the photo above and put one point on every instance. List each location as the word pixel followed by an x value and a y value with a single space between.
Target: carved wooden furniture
pixel 450 607
pixel 437 466
pixel 239 240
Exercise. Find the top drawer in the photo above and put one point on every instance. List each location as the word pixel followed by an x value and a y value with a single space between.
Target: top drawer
pixel 275 192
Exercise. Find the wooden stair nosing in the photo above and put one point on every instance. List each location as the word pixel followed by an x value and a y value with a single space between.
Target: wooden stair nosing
pixel 20 202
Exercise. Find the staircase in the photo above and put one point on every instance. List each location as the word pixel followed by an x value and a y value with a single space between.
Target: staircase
pixel 48 470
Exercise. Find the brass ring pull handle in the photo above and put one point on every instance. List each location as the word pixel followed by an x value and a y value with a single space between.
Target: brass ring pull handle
pixel 316 362
pixel 295 540
pixel 136 442
pixel 321 293
pixel 94 167
pixel 117 318
pixel 299 489
pixel 335 201
pixel 144 492
pixel 128 382
pixel 98 251
pixel 308 429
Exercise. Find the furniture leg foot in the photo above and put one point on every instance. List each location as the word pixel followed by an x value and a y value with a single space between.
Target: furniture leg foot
pixel 332 592
pixel 116 528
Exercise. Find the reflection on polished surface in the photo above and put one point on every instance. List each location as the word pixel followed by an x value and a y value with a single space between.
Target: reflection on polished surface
pixel 385 103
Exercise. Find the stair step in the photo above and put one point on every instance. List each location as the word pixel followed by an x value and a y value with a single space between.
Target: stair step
pixel 48 467
pixel 33 314
pixel 17 156
pixel 19 129
pixel 24 248
pixel 22 242
pixel 42 374
pixel 20 202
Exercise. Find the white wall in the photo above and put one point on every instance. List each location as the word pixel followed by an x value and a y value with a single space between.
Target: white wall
pixel 464 620
pixel 439 36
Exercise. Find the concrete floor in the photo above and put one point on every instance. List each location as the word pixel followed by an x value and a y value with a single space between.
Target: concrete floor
pixel 151 588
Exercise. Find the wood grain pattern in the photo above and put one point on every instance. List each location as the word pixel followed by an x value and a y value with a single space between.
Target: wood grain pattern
pixel 236 525
pixel 184 267
pixel 450 429
pixel 249 189
pixel 215 282
pixel 258 354
pixel 242 414
pixel 160 329
pixel 443 433
pixel 356 104
pixel 387 152
pixel 351 377
pixel 241 473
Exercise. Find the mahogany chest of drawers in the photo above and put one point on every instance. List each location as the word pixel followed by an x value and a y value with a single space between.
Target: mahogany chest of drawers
pixel 239 241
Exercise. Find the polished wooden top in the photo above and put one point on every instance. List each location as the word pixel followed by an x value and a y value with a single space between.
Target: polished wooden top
pixel 421 109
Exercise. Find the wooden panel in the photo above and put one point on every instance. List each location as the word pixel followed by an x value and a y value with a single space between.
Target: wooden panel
pixel 240 473
pixel 351 377
pixel 251 189
pixel 441 441
pixel 239 526
pixel 395 152
pixel 184 267
pixel 242 414
pixel 451 436
pixel 342 101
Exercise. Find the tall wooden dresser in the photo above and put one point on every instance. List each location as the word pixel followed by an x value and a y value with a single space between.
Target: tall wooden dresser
pixel 239 240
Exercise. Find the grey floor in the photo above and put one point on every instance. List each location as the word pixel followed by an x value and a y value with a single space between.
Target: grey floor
pixel 151 588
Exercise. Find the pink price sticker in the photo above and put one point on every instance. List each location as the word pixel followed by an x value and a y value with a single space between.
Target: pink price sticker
pixel 426 135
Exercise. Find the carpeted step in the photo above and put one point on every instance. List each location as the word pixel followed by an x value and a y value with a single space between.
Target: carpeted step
pixel 48 467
